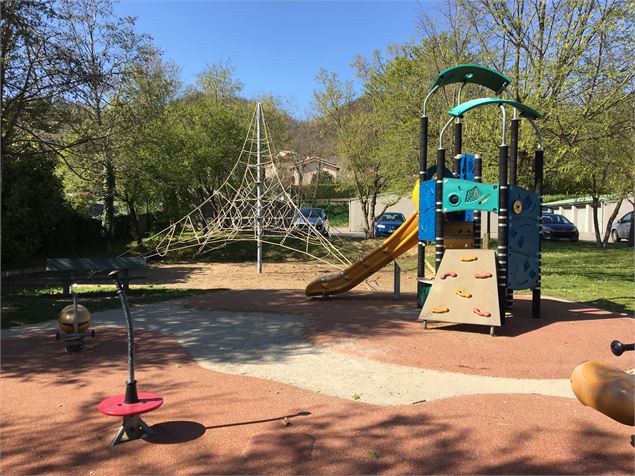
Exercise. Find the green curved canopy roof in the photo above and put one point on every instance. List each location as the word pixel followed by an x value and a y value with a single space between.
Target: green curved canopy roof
pixel 472 73
pixel 525 111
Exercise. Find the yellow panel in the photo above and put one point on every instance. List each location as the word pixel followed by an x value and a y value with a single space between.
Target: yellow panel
pixel 461 292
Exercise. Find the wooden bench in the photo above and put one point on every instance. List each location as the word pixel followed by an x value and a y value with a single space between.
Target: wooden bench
pixel 74 269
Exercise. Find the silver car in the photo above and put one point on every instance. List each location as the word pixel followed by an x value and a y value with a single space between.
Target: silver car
pixel 312 216
pixel 622 228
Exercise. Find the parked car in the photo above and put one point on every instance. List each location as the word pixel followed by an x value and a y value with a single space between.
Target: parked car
pixel 388 223
pixel 558 227
pixel 307 217
pixel 622 228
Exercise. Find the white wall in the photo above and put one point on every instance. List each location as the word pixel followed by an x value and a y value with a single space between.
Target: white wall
pixel 582 215
pixel 356 217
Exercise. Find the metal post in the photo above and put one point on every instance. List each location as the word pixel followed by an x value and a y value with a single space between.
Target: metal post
pixel 259 189
pixel 513 177
pixel 397 281
pixel 502 220
pixel 538 176
pixel 423 176
pixel 75 316
pixel 438 234
pixel 513 150
pixel 131 384
pixel 478 171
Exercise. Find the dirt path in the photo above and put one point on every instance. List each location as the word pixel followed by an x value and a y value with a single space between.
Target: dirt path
pixel 286 275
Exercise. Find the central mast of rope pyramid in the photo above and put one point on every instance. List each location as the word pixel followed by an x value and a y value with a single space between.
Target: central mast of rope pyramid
pixel 259 187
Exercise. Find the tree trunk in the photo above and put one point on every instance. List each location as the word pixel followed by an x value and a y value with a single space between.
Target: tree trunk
pixel 631 237
pixel 108 215
pixel 609 224
pixel 136 224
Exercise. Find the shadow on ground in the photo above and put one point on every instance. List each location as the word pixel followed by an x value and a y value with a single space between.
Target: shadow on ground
pixel 220 424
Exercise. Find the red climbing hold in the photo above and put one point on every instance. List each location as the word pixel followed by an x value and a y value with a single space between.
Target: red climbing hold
pixel 450 274
pixel 483 275
pixel 478 312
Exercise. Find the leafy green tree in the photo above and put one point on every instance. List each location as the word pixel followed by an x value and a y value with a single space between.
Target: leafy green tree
pixel 32 79
pixel 105 50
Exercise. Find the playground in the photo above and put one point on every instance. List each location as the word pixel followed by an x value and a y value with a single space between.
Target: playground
pixel 297 368
pixel 265 381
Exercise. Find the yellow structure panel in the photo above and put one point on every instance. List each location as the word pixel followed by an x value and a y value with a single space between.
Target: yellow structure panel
pixel 466 286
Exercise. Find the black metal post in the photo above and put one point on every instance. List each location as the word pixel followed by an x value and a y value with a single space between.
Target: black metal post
pixel 478 172
pixel 502 227
pixel 458 137
pixel 513 178
pixel 423 176
pixel 131 384
pixel 438 234
pixel 458 144
pixel 513 152
pixel 538 176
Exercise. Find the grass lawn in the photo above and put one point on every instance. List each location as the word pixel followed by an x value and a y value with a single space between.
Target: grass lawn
pixel 578 272
pixel 28 304
pixel 581 272
pixel 574 271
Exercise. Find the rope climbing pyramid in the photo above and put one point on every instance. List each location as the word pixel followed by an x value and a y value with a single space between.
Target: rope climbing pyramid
pixel 464 289
pixel 251 205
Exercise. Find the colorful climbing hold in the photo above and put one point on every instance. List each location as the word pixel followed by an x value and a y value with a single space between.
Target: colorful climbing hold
pixel 468 258
pixel 482 275
pixel 440 310
pixel 478 312
pixel 451 274
pixel 465 294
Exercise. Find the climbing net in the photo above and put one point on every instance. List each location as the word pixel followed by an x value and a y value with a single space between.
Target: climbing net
pixel 231 212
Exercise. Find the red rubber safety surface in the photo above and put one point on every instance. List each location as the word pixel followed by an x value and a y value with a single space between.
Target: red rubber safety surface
pixel 214 423
pixel 115 406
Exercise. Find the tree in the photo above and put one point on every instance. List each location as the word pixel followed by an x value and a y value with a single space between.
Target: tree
pixel 153 87
pixel 105 50
pixel 567 59
pixel 31 80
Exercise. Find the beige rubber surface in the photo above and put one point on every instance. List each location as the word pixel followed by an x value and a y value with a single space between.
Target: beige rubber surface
pixel 456 289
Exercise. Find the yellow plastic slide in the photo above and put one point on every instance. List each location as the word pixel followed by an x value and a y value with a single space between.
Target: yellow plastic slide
pixel 402 239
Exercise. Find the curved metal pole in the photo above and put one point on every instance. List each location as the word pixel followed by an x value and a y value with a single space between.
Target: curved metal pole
pixel 504 124
pixel 425 101
pixel 131 385
pixel 538 133
pixel 442 131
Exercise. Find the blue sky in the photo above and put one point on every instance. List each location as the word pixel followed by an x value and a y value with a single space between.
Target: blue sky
pixel 276 47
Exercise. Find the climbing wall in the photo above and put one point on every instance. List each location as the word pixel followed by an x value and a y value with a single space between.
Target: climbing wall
pixel 464 289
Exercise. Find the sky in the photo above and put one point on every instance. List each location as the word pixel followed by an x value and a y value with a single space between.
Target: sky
pixel 275 47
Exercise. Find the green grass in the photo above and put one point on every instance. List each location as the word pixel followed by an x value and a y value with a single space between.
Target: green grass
pixel 581 272
pixel 29 304
pixel 576 271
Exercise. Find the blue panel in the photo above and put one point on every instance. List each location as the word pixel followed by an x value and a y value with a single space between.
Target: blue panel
pixel 523 238
pixel 426 210
pixel 467 167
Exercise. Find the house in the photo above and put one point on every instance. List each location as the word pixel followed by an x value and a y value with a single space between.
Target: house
pixel 293 171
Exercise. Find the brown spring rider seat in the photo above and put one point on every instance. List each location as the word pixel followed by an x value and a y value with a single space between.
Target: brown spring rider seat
pixel 606 388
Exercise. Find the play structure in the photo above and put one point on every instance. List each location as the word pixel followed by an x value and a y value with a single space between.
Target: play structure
pixel 606 388
pixel 131 404
pixel 253 204
pixel 474 285
pixel 73 322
